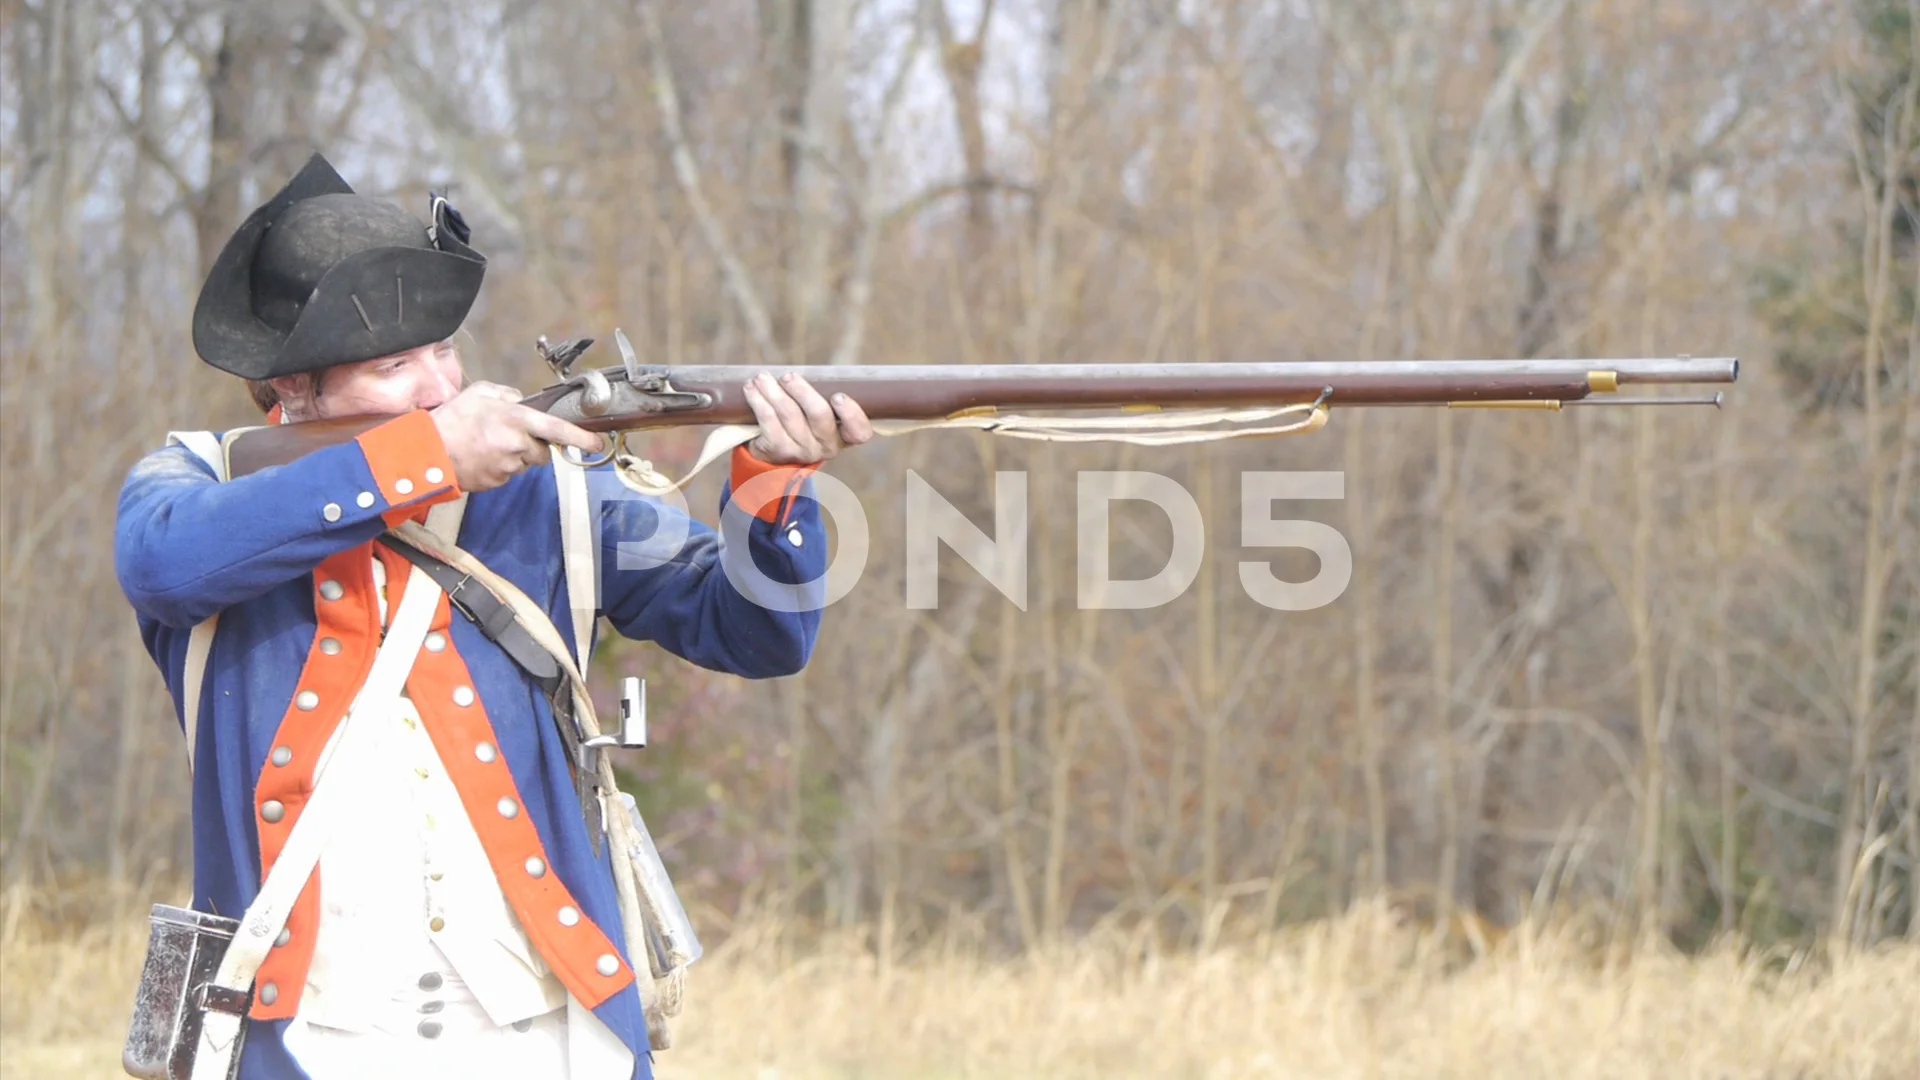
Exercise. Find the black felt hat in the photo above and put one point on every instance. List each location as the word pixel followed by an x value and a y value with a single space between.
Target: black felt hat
pixel 319 276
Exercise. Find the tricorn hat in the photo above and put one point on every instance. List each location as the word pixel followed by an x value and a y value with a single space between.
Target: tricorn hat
pixel 319 276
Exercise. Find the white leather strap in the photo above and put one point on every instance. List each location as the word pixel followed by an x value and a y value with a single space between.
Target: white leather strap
pixel 208 448
pixel 1170 427
pixel 268 912
pixel 220 1031
pixel 577 539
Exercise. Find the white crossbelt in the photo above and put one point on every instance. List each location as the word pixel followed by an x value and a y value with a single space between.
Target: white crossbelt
pixel 220 1031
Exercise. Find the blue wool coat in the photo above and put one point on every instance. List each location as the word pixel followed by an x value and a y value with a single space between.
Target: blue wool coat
pixel 252 549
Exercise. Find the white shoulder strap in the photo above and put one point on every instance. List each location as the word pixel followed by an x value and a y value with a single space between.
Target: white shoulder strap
pixel 208 448
pixel 220 1031
pixel 577 540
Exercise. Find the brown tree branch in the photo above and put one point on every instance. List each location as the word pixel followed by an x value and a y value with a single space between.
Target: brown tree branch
pixel 687 172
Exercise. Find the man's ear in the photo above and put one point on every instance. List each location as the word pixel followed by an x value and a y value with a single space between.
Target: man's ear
pixel 296 391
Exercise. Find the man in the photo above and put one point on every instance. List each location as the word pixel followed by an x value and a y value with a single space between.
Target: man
pixel 461 920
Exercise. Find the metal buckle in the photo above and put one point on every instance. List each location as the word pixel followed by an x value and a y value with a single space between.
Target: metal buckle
pixel 453 596
pixel 207 996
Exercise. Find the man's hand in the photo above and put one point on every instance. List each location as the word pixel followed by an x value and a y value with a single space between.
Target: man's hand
pixel 798 426
pixel 492 439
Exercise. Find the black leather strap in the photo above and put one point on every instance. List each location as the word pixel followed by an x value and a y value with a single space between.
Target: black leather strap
pixel 492 615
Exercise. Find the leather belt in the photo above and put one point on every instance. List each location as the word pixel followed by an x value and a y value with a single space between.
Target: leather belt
pixel 493 616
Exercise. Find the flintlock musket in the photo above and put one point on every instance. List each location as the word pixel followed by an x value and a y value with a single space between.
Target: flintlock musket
pixel 638 397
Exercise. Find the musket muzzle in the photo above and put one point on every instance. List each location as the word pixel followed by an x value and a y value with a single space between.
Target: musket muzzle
pixel 1671 370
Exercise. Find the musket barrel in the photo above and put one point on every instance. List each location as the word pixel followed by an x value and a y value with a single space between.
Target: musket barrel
pixel 930 391
pixel 1678 371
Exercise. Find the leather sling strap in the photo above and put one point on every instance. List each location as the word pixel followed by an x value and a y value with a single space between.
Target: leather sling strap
pixel 494 617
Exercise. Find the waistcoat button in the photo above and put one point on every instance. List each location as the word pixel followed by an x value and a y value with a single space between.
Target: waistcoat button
pixel 509 809
pixel 272 811
pixel 331 590
pixel 430 981
pixel 569 916
pixel 429 1029
pixel 307 701
pixel 607 965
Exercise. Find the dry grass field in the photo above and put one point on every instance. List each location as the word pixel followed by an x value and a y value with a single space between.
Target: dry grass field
pixel 1356 997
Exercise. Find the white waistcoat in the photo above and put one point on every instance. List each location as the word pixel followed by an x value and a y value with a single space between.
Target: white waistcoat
pixel 412 915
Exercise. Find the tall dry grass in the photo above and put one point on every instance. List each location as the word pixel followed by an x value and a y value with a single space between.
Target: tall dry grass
pixel 1353 997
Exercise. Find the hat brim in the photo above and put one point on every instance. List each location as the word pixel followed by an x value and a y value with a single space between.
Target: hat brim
pixel 410 296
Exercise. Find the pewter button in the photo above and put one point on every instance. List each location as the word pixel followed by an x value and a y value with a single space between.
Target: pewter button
pixel 429 1029
pixel 536 868
pixel 434 476
pixel 430 981
pixel 403 486
pixel 286 935
pixel 330 646
pixel 331 511
pixel 436 641
pixel 523 1025
pixel 485 752
pixel 569 916
pixel 307 701
pixel 509 809
pixel 607 965
pixel 431 1007
pixel 282 755
pixel 272 811
pixel 794 537
pixel 364 500
pixel 269 994
pixel 463 696
pixel 331 590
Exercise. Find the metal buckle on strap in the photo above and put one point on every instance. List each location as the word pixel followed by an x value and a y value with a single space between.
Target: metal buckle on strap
pixel 453 594
pixel 207 996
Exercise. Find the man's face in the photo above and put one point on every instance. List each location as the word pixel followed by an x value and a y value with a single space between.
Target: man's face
pixel 422 378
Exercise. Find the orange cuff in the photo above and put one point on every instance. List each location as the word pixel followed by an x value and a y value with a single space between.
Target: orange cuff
pixel 410 464
pixel 766 490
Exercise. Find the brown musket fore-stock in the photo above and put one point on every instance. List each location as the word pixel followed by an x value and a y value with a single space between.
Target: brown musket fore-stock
pixel 636 397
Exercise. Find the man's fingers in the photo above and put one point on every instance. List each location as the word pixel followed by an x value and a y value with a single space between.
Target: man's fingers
pixel 776 445
pixel 791 418
pixel 820 419
pixel 854 425
pixel 552 429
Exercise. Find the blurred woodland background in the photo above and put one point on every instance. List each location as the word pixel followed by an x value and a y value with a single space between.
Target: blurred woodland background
pixel 1662 666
